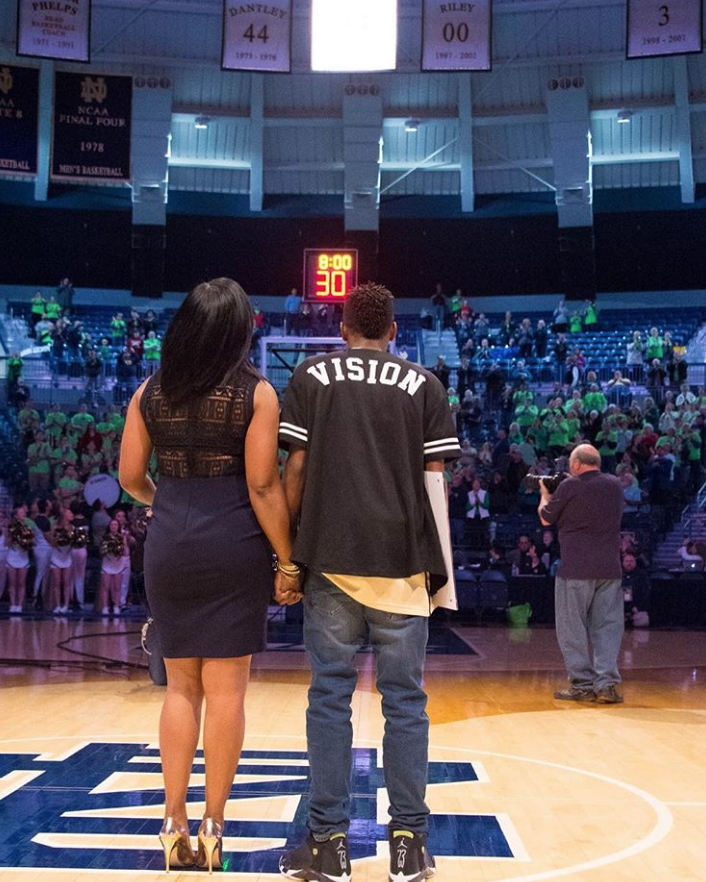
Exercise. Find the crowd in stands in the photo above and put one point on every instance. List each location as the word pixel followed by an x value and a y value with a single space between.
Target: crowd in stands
pixel 647 422
pixel 127 349
pixel 61 527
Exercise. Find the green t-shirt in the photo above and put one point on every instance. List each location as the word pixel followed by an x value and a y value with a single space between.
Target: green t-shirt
pixel 654 348
pixel 53 310
pixel 70 485
pixel 118 327
pixel 38 457
pixel 81 421
pixel 38 304
pixel 591 316
pixel 153 349
pixel 595 401
pixel 575 324
pixel 14 369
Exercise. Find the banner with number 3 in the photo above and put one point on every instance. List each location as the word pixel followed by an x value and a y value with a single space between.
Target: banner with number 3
pixel 673 27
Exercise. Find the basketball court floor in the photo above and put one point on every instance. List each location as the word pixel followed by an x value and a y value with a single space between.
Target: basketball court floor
pixel 522 788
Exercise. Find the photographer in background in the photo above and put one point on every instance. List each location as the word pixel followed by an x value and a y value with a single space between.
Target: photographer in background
pixel 586 509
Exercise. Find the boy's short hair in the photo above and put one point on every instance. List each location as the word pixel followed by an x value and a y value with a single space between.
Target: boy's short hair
pixel 368 311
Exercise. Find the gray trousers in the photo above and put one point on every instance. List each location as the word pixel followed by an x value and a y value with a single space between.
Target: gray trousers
pixel 590 610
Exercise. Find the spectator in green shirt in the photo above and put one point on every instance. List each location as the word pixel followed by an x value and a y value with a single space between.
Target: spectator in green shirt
pixel 55 422
pixel 575 323
pixel 590 319
pixel 82 419
pixel 38 454
pixel 52 309
pixel 37 307
pixel 118 329
pixel 69 487
pixel 594 399
pixel 654 347
pixel 153 352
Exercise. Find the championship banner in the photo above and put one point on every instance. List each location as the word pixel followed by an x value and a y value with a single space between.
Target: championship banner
pixel 457 36
pixel 674 27
pixel 59 29
pixel 19 119
pixel 257 36
pixel 91 137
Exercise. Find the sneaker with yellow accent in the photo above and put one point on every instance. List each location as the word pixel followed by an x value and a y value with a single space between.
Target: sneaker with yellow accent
pixel 315 861
pixel 409 859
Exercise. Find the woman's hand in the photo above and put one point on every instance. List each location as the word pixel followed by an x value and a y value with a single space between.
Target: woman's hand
pixel 288 589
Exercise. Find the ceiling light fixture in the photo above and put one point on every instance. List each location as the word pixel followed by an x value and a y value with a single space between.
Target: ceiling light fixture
pixel 412 125
pixel 624 117
pixel 201 122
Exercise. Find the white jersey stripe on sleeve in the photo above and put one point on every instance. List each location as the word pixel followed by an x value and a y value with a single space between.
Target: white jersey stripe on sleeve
pixel 451 448
pixel 432 444
pixel 294 428
pixel 293 434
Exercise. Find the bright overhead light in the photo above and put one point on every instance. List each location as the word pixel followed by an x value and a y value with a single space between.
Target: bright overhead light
pixel 412 125
pixel 624 117
pixel 353 35
pixel 201 122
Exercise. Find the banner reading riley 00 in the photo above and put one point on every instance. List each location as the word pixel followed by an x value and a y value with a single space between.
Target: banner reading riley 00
pixel 58 29
pixel 456 35
pixel 257 36
pixel 91 127
pixel 19 118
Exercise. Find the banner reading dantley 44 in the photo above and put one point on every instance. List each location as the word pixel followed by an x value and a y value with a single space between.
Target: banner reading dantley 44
pixel 91 127
pixel 19 101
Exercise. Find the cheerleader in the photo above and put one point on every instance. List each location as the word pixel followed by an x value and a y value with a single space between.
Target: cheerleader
pixel 127 563
pixel 113 550
pixel 20 539
pixel 79 552
pixel 60 567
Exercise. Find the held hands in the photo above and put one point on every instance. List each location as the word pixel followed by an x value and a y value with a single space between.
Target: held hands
pixel 288 586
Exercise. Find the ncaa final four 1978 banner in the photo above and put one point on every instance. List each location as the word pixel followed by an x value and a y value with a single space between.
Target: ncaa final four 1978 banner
pixel 91 132
pixel 58 29
pixel 19 119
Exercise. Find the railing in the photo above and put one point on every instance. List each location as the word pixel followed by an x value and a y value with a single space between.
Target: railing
pixel 693 509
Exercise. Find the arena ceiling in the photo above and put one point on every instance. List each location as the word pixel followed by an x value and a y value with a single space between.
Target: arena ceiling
pixel 479 134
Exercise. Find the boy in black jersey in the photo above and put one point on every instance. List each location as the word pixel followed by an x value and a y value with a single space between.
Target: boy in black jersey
pixel 367 538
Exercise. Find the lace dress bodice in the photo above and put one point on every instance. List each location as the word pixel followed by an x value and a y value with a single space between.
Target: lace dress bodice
pixel 203 438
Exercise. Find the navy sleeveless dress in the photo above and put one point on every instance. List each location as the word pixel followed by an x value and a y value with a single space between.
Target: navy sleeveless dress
pixel 208 573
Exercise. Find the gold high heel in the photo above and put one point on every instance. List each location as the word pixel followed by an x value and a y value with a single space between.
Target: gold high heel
pixel 210 845
pixel 172 837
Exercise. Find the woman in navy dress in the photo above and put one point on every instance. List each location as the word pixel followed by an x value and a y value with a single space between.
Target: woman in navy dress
pixel 218 512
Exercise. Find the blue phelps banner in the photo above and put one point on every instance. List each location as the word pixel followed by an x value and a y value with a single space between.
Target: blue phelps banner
pixel 19 117
pixel 91 127
pixel 58 29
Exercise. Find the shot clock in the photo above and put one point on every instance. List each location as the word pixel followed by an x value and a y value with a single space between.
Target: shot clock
pixel 329 274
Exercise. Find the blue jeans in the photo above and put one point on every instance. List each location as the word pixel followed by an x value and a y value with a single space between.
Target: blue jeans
pixel 590 608
pixel 335 627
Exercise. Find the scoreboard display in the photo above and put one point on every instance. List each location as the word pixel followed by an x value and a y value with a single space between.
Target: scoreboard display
pixel 329 274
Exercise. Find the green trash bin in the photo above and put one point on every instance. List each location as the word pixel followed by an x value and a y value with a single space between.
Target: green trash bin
pixel 519 616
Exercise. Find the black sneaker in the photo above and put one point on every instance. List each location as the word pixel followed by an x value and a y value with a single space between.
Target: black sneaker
pixel 319 861
pixel 575 693
pixel 609 695
pixel 409 859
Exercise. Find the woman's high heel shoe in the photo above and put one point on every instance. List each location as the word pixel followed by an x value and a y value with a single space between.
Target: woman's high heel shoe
pixel 176 838
pixel 210 845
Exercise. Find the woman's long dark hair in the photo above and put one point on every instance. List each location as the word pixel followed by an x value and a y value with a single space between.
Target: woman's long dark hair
pixel 207 341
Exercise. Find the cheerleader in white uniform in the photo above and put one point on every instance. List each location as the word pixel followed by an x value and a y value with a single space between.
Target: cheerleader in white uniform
pixel 79 552
pixel 19 538
pixel 60 567
pixel 113 550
